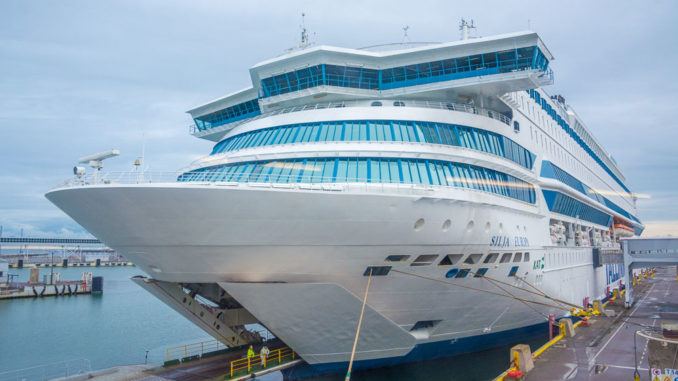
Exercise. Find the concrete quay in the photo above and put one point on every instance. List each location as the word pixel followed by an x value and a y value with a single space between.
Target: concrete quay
pixel 604 350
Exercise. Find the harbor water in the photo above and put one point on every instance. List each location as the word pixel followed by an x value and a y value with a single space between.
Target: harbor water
pixel 96 331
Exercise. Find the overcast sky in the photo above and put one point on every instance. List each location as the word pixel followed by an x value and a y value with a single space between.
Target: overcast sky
pixel 79 77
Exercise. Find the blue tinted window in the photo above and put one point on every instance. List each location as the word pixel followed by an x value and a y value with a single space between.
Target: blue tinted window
pixel 228 115
pixel 384 170
pixel 426 72
pixel 452 273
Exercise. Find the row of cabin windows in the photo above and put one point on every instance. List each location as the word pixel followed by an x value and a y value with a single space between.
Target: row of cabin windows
pixel 552 171
pixel 582 142
pixel 381 130
pixel 367 170
pixel 562 204
pixel 402 76
pixel 453 259
pixel 228 115
pixel 479 273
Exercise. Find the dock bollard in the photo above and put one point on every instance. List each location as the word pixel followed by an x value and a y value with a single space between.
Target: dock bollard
pixel 597 307
pixel 552 320
pixel 567 328
pixel 97 284
pixel 521 357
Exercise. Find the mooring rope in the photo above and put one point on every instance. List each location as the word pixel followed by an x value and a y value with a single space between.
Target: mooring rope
pixel 481 290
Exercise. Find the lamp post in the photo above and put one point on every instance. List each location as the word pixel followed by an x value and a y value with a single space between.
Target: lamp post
pixel 51 270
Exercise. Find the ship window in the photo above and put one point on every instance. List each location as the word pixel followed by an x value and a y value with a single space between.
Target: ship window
pixel 397 258
pixel 377 270
pixel 480 272
pixel 462 273
pixel 424 260
pixel 491 258
pixel 505 258
pixel 518 257
pixel 450 259
pixel 514 271
pixel 384 170
pixel 516 126
pixel 527 257
pixel 490 59
pixel 426 324
pixel 399 104
pixel 381 130
pixel 472 259
pixel 452 273
pixel 376 104
pixel 476 62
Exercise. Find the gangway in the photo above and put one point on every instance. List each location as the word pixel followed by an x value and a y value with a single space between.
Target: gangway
pixel 646 252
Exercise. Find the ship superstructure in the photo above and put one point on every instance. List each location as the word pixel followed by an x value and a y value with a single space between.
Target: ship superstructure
pixel 438 162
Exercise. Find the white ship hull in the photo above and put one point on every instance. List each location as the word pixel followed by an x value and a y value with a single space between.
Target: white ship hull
pixel 295 259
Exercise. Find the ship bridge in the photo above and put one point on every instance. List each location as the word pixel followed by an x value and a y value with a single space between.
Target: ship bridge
pixel 474 71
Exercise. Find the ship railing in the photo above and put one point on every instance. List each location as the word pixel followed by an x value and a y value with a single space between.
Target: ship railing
pixel 449 106
pixel 301 182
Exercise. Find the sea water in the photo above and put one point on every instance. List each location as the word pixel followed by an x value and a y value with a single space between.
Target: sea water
pixel 114 328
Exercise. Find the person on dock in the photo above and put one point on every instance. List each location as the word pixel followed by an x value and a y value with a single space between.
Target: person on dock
pixel 264 354
pixel 250 352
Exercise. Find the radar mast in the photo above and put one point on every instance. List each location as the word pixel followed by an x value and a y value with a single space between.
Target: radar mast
pixel 464 27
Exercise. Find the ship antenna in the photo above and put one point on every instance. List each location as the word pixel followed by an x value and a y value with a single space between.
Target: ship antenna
pixel 464 27
pixel 406 38
pixel 304 32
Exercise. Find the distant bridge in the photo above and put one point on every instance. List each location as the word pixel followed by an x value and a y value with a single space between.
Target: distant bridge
pixel 59 241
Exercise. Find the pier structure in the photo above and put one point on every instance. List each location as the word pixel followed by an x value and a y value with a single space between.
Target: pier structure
pixel 51 285
pixel 644 253
pixel 47 251
pixel 620 344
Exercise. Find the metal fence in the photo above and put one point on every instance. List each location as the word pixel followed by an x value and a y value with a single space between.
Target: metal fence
pixel 48 371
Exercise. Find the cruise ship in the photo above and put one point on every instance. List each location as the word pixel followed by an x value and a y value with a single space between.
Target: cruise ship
pixel 475 204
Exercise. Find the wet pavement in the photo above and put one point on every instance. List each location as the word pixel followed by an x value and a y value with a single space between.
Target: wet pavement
pixel 207 369
pixel 605 349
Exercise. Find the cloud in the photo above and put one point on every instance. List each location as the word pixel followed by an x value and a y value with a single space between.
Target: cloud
pixel 80 78
pixel 661 229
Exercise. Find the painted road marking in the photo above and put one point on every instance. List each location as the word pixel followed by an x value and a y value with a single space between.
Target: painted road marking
pixel 622 324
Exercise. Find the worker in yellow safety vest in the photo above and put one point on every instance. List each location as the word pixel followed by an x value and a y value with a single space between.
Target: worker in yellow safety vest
pixel 250 352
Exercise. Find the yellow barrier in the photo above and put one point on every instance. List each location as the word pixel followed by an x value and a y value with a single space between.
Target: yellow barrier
pixel 255 362
pixel 550 343
pixel 194 349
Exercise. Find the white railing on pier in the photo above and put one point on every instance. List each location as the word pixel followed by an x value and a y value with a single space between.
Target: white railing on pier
pixel 48 371
pixel 450 106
